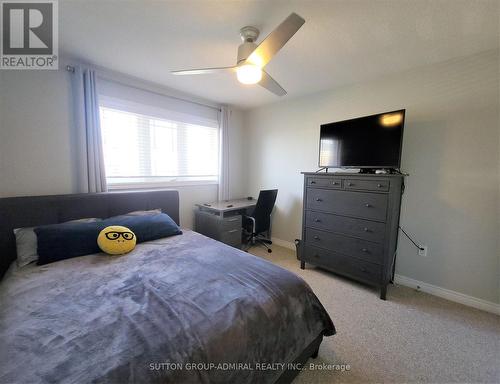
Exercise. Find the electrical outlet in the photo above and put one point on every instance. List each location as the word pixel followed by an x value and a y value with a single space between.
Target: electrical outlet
pixel 423 252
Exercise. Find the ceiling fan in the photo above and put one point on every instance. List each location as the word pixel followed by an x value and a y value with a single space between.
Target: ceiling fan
pixel 252 58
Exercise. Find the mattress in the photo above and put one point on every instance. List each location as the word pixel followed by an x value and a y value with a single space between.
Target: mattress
pixel 180 309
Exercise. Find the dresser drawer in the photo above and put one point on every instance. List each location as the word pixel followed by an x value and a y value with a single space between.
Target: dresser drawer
pixel 367 185
pixel 358 204
pixel 368 230
pixel 360 249
pixel 343 264
pixel 324 182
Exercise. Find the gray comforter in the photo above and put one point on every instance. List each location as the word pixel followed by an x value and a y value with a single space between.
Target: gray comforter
pixel 154 315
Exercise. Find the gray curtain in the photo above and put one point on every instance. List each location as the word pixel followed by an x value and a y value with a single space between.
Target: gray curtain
pixel 90 159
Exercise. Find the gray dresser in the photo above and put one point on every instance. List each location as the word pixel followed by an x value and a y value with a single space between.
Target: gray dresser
pixel 350 224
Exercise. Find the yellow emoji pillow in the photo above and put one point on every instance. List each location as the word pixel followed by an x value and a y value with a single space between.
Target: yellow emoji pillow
pixel 116 240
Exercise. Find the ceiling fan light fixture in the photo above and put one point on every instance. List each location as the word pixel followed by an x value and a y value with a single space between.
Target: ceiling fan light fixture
pixel 248 74
pixel 253 57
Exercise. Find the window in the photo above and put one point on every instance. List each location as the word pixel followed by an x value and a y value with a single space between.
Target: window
pixel 150 149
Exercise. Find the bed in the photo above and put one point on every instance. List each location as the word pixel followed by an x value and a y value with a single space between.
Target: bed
pixel 180 309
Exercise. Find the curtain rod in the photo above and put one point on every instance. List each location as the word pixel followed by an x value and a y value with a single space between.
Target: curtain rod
pixel 71 69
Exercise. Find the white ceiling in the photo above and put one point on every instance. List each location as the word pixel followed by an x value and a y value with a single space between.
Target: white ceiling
pixel 341 42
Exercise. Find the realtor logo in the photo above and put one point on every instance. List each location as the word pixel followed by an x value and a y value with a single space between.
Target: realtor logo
pixel 29 34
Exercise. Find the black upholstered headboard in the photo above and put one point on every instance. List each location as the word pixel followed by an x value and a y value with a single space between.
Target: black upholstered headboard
pixel 31 211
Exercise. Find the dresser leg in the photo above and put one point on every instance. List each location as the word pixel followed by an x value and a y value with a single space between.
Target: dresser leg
pixel 315 353
pixel 383 292
pixel 302 264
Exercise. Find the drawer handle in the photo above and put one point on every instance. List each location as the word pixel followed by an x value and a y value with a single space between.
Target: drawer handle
pixel 334 183
pixel 316 237
pixel 367 229
pixel 232 220
pixel 318 199
pixel 365 250
pixel 368 205
pixel 313 182
pixel 232 231
pixel 350 184
pixel 379 185
pixel 317 220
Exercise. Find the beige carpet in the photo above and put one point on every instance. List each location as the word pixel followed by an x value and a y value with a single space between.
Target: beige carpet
pixel 411 337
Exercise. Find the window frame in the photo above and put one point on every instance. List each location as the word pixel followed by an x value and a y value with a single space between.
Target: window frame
pixel 116 104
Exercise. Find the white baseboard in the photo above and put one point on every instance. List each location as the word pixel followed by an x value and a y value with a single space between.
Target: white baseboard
pixel 444 293
pixel 283 243
pixel 447 294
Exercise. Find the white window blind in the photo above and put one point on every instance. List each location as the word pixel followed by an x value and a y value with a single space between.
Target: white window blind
pixel 147 144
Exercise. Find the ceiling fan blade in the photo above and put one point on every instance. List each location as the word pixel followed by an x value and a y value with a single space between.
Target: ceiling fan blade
pixel 271 85
pixel 203 71
pixel 275 40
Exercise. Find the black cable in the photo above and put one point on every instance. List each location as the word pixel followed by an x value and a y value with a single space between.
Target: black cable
pixel 408 236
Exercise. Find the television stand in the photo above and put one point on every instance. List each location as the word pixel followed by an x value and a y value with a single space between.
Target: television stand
pixel 322 169
pixel 379 171
pixel 367 171
pixel 361 171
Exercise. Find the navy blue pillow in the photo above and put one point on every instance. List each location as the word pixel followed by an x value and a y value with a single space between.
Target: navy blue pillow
pixel 63 241
pixel 147 227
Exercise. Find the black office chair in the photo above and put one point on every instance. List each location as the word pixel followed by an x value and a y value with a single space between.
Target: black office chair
pixel 259 222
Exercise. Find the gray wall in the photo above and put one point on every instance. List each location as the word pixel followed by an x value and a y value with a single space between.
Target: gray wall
pixel 451 150
pixel 36 141
pixel 451 147
pixel 35 149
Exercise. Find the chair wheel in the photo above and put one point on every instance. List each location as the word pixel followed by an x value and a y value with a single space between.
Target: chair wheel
pixel 269 250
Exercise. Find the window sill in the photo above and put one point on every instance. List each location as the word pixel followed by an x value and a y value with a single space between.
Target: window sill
pixel 159 185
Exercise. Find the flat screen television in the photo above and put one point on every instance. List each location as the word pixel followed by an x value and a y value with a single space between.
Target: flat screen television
pixel 365 142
